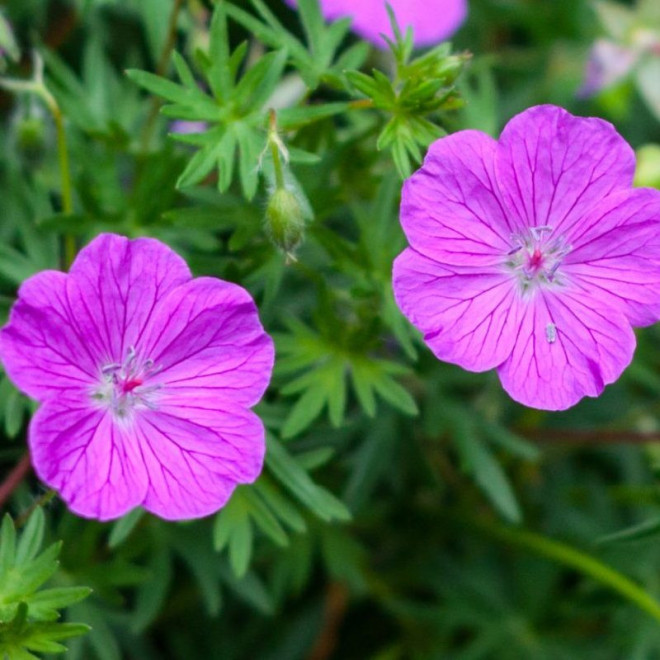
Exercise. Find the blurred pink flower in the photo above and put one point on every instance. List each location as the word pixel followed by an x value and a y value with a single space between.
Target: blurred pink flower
pixel 532 255
pixel 432 21
pixel 145 378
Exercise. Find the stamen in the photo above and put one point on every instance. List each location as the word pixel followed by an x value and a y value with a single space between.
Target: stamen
pixel 125 387
pixel 536 257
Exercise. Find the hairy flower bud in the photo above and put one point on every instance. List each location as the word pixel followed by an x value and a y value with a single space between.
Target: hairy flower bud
pixel 285 222
pixel 31 138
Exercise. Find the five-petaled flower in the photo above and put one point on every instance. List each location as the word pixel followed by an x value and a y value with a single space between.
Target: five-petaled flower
pixel 532 255
pixel 431 20
pixel 145 378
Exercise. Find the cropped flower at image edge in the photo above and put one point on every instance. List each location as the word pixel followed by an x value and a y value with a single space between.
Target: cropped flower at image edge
pixel 145 378
pixel 532 255
pixel 432 21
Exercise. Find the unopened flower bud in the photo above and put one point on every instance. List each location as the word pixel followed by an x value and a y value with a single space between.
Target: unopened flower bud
pixel 285 221
pixel 31 137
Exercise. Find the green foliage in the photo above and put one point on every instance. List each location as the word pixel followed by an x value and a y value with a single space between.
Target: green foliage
pixel 421 88
pixel 399 493
pixel 236 111
pixel 28 612
pixel 324 383
pixel 318 60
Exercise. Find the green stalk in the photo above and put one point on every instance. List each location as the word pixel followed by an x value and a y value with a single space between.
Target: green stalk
pixel 38 86
pixel 275 145
pixel 584 563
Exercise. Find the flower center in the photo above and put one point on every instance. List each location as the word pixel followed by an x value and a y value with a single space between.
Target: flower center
pixel 535 257
pixel 125 387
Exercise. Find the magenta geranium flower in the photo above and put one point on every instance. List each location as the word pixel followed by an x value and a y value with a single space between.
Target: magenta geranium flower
pixel 145 378
pixel 532 255
pixel 431 20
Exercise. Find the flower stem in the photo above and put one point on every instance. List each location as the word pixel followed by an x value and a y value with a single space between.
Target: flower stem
pixel 581 561
pixel 38 87
pixel 277 166
pixel 14 478
pixel 276 146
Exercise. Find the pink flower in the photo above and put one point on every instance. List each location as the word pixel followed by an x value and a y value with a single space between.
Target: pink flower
pixel 432 21
pixel 145 378
pixel 532 255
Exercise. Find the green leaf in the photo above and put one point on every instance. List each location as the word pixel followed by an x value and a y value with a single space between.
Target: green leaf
pixel 152 593
pixel 258 84
pixel 31 538
pixel 646 529
pixel 27 613
pixel 250 589
pixel 487 472
pixel 263 517
pixel 44 605
pixel 280 505
pixel 306 410
pixel 122 529
pixel 240 546
pixel 287 471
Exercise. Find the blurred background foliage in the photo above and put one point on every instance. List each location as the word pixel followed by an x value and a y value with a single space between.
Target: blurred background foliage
pixel 408 509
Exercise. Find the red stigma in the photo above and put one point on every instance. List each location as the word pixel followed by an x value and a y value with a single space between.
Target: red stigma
pixel 535 260
pixel 130 385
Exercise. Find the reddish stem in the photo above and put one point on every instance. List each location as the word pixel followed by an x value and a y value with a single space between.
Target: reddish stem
pixel 336 604
pixel 14 478
pixel 591 437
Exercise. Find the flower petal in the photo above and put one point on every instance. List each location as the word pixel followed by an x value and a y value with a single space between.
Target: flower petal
pixel 565 349
pixel 616 256
pixel 468 318
pixel 450 208
pixel 206 338
pixel 92 462
pixel 196 457
pixel 114 286
pixel 42 347
pixel 553 167
pixel 431 20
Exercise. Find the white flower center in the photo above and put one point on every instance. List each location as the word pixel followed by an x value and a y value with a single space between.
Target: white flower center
pixel 535 257
pixel 125 387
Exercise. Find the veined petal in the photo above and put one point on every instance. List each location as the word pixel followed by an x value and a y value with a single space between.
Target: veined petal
pixel 431 20
pixel 451 209
pixel 616 255
pixel 114 287
pixel 206 338
pixel 566 349
pixel 553 167
pixel 42 347
pixel 196 456
pixel 468 318
pixel 94 463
